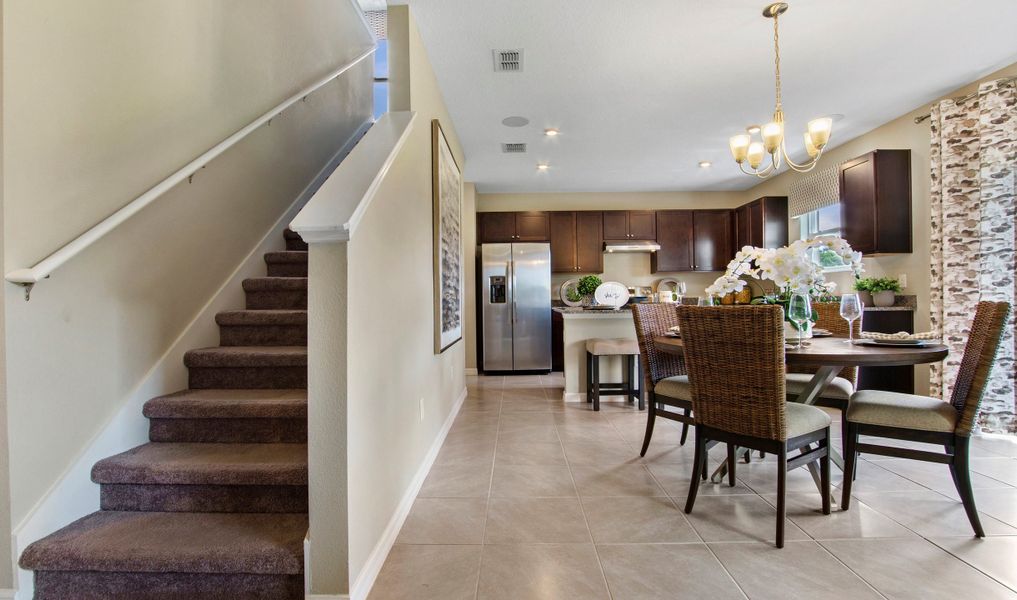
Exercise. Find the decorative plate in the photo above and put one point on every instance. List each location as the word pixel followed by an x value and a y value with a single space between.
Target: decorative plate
pixel 611 293
pixel 563 293
pixel 821 333
pixel 667 284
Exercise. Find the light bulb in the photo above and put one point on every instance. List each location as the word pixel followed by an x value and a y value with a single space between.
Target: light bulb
pixel 755 154
pixel 551 132
pixel 543 166
pixel 739 147
pixel 772 133
pixel 809 147
pixel 819 131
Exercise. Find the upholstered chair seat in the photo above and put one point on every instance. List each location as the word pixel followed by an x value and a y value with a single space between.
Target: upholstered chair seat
pixel 612 346
pixel 838 389
pixel 674 387
pixel 803 419
pixel 906 411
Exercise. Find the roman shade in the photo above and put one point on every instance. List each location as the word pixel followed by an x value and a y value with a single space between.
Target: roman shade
pixel 815 191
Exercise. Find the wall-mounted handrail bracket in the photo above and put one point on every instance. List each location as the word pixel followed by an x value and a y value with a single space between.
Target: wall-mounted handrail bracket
pixel 28 290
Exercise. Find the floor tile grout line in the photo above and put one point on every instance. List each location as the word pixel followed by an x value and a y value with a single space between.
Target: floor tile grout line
pixel 960 558
pixel 852 571
pixel 586 519
pixel 487 506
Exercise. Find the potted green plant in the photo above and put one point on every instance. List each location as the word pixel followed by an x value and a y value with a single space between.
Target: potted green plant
pixel 882 289
pixel 585 288
pixel 864 293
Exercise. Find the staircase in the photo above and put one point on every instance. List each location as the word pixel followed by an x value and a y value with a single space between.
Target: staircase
pixel 215 506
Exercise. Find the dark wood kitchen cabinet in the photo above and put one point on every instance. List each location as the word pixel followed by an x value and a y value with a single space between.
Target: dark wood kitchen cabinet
pixel 762 223
pixel 531 226
pixel 675 236
pixel 577 243
pixel 630 225
pixel 875 201
pixel 713 239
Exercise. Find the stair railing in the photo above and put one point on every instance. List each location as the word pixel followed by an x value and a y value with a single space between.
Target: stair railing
pixel 27 278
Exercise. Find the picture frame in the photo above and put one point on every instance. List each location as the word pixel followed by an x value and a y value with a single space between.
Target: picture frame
pixel 447 206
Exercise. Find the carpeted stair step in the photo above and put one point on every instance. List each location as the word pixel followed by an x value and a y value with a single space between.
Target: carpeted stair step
pixel 276 293
pixel 247 367
pixel 229 416
pixel 113 555
pixel 294 241
pixel 205 478
pixel 262 327
pixel 286 264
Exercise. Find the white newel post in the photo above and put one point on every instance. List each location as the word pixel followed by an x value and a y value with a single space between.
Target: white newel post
pixel 327 312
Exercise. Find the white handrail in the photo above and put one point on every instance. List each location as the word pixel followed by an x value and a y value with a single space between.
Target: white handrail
pixel 29 277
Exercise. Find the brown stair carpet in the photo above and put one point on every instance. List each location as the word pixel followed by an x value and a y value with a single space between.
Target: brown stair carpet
pixel 216 505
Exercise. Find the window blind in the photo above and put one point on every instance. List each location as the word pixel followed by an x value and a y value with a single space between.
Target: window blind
pixel 814 191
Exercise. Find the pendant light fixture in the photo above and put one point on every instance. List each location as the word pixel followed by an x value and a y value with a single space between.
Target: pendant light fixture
pixel 746 149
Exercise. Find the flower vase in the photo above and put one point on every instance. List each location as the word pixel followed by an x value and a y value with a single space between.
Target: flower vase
pixel 791 334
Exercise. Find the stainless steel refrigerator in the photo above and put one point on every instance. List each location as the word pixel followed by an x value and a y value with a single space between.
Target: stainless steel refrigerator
pixel 516 288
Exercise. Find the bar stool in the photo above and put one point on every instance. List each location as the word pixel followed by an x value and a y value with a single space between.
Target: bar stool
pixel 597 347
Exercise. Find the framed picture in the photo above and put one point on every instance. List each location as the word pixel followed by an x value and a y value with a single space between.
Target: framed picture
pixel 447 190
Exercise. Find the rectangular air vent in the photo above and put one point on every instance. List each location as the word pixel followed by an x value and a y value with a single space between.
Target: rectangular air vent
pixel 513 148
pixel 508 60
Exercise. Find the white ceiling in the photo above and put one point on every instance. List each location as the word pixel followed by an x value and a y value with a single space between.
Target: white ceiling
pixel 644 90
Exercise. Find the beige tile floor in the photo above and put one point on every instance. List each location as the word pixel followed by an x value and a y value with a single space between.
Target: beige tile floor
pixel 531 497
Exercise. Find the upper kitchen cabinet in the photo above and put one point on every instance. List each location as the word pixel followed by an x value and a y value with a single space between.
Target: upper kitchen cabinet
pixel 675 236
pixel 532 226
pixel 762 223
pixel 630 225
pixel 875 200
pixel 577 243
pixel 713 239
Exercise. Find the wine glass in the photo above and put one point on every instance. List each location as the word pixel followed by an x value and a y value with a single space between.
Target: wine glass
pixel 850 310
pixel 706 300
pixel 679 291
pixel 799 310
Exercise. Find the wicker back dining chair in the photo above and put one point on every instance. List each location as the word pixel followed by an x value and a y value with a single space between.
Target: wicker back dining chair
pixel 931 420
pixel 665 379
pixel 735 358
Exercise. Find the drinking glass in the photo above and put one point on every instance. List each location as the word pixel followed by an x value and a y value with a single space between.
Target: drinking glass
pixel 799 310
pixel 706 301
pixel 850 310
pixel 679 291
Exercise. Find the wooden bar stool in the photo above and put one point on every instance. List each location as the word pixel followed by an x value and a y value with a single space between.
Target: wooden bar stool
pixel 629 387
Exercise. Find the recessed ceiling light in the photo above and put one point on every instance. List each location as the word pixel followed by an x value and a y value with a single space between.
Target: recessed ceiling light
pixel 705 164
pixel 543 166
pixel 753 129
pixel 551 132
pixel 515 121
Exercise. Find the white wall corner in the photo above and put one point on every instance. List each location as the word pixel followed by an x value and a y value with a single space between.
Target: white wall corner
pixel 74 495
pixel 369 573
pixel 471 371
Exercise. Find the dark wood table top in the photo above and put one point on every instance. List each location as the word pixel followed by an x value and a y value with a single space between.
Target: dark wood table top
pixel 835 352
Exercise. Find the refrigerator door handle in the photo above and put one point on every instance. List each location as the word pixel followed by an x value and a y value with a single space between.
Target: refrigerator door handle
pixel 512 283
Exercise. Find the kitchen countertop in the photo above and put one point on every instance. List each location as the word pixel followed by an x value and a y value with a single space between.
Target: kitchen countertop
pixel 902 303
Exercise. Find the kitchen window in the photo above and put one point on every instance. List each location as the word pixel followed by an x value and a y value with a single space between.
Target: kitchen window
pixel 823 222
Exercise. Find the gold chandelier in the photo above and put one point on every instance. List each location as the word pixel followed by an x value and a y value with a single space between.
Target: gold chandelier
pixel 745 149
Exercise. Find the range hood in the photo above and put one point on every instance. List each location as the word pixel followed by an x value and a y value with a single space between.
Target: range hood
pixel 631 246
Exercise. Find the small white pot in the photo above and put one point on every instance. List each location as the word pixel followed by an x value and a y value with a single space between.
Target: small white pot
pixel 884 298
pixel 791 334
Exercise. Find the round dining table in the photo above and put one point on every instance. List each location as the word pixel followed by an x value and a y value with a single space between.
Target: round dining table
pixel 829 355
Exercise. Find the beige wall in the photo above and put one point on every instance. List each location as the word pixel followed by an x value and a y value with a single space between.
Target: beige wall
pixel 901 133
pixel 400 391
pixel 6 561
pixel 469 255
pixel 102 99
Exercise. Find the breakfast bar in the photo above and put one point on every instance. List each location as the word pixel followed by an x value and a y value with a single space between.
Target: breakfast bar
pixel 582 324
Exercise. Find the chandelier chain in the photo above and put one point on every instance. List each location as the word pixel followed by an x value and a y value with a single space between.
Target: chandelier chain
pixel 776 57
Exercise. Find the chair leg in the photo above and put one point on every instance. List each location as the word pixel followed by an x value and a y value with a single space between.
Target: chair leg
pixel 685 428
pixel 651 416
pixel 962 476
pixel 850 458
pixel 781 494
pixel 824 472
pixel 627 378
pixel 596 383
pixel 731 462
pixel 589 378
pixel 639 385
pixel 698 470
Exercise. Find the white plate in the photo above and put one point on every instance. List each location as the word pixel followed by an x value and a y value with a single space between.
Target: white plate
pixel 611 293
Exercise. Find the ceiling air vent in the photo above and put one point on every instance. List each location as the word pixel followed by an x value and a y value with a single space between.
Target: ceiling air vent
pixel 508 60
pixel 513 148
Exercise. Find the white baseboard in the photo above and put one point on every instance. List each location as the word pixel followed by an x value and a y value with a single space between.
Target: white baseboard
pixel 6 594
pixel 369 573
pixel 74 495
pixel 473 371
pixel 326 597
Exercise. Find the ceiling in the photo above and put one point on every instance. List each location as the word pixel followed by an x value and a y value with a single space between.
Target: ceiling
pixel 643 91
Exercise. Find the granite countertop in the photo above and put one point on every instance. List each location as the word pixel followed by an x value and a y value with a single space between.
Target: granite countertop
pixel 902 303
